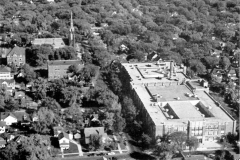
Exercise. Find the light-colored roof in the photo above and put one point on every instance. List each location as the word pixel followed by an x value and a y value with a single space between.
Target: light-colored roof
pixel 55 42
pixel 142 73
pixel 93 130
pixel 184 109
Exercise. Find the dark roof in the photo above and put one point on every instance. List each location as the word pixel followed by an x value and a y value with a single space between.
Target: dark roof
pixel 19 94
pixel 21 115
pixel 17 50
pixel 2 123
pixel 63 134
pixel 64 62
pixel 5 69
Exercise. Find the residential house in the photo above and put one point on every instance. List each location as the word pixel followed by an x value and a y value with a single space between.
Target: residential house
pixel 3 55
pixel 77 135
pixel 57 130
pixel 23 118
pixel 34 117
pixel 2 142
pixel 63 139
pixel 9 84
pixel 233 74
pixel 2 127
pixel 58 68
pixel 5 73
pixel 8 117
pixel 19 138
pixel 17 56
pixel 92 130
pixel 19 95
pixel 55 42
pixel 10 137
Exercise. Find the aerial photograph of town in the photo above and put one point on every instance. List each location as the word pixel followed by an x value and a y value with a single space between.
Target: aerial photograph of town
pixel 119 79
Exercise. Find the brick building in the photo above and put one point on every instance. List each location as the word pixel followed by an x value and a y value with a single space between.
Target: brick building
pixel 168 102
pixel 58 68
pixel 17 56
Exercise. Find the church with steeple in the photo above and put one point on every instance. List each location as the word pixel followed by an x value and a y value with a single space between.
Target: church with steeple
pixel 71 33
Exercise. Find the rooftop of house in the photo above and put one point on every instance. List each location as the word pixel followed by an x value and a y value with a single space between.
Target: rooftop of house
pixel 156 72
pixel 2 123
pixel 63 62
pixel 93 130
pixel 19 115
pixel 55 42
pixel 7 80
pixel 17 51
pixel 4 115
pixel 63 134
pixel 2 141
pixel 177 104
pixel 5 69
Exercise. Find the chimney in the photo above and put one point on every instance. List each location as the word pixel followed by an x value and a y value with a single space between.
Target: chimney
pixel 171 69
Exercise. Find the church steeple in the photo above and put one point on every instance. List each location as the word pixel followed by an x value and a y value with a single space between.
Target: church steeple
pixel 71 33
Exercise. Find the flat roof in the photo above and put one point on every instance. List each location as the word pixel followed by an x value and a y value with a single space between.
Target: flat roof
pixel 64 62
pixel 148 72
pixel 185 109
pixel 171 93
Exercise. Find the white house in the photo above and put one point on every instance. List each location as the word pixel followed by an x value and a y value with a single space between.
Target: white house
pixel 2 127
pixel 9 118
pixel 63 139
pixel 5 73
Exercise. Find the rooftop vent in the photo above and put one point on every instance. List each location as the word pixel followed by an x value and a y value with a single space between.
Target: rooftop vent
pixel 197 108
pixel 202 115
pixel 166 110
pixel 209 107
pixel 178 98
pixel 171 116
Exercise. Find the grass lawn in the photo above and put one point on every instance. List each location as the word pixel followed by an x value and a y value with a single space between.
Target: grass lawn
pixel 72 148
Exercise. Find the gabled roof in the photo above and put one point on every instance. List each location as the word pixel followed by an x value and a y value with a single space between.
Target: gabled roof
pixel 5 69
pixel 21 115
pixel 55 42
pixel 63 62
pixel 4 115
pixel 4 52
pixel 63 134
pixel 93 130
pixel 7 80
pixel 2 123
pixel 2 141
pixel 18 51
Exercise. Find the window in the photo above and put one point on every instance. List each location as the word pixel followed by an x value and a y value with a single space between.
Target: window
pixel 215 132
pixel 210 132
pixel 200 140
pixel 222 132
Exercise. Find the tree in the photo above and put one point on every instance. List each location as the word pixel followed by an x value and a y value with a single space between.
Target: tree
pixel 165 150
pixel 192 143
pixel 119 123
pixel 30 148
pixel 197 66
pixel 128 109
pixel 179 140
pixel 223 155
pixel 28 73
pixel 95 141
pixel 211 62
pixel 224 63
pixel 145 141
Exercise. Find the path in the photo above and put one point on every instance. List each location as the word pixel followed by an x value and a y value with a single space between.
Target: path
pixel 119 148
pixel 79 147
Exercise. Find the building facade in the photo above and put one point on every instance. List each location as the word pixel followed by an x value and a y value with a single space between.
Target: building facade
pixel 17 56
pixel 168 102
pixel 5 73
pixel 59 68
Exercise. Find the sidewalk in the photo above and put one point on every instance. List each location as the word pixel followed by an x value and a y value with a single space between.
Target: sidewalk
pixel 79 147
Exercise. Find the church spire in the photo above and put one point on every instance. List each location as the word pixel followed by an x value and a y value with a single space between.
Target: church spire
pixel 71 33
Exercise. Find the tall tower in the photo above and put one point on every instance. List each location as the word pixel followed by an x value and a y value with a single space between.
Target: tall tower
pixel 71 34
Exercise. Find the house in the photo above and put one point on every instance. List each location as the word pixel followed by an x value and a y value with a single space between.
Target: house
pixel 2 127
pixel 3 54
pixel 2 142
pixel 59 68
pixel 34 117
pixel 9 85
pixel 5 73
pixel 17 56
pixel 19 95
pixel 19 138
pixel 63 139
pixel 55 42
pixel 10 137
pixel 92 130
pixel 8 117
pixel 77 135
pixel 57 130
pixel 22 117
